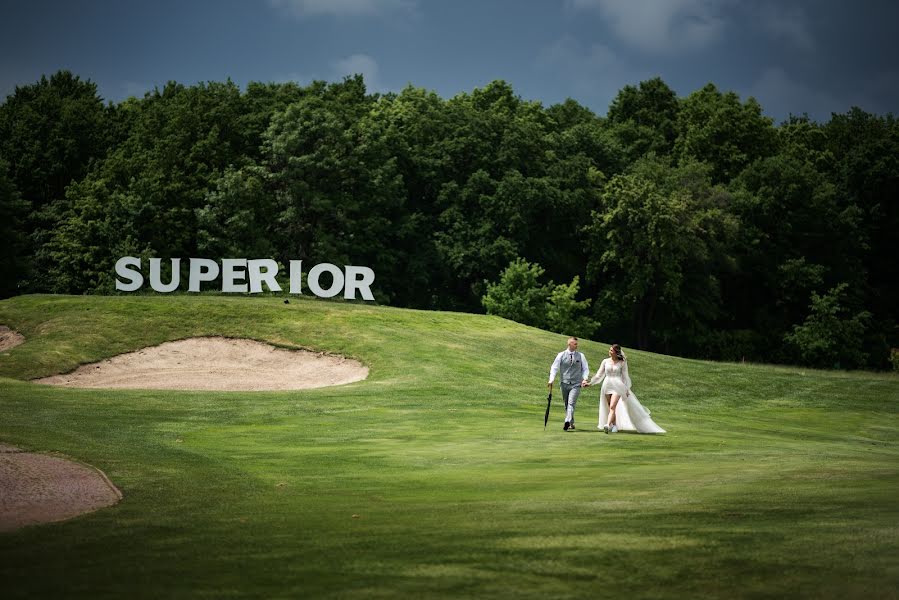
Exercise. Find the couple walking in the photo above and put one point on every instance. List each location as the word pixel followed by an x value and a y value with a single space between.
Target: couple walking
pixel 619 409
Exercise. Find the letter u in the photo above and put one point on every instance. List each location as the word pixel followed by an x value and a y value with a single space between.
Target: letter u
pixel 155 275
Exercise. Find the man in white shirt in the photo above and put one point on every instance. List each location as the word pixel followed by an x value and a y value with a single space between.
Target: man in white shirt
pixel 572 366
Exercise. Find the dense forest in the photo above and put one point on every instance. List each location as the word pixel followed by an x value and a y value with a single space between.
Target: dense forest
pixel 689 225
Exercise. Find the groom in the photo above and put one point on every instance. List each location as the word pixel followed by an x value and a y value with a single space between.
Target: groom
pixel 574 371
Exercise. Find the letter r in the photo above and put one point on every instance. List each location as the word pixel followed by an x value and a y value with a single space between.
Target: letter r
pixel 358 278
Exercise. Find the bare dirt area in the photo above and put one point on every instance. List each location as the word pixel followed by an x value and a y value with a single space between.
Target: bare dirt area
pixel 215 364
pixel 37 488
pixel 9 338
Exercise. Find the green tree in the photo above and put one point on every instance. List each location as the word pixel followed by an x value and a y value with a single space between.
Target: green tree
pixel 865 150
pixel 832 335
pixel 49 132
pixel 796 238
pixel 644 118
pixel 337 192
pixel 658 245
pixel 238 215
pixel 471 244
pixel 147 191
pixel 13 212
pixel 718 129
pixel 518 295
pixel 565 314
pixel 417 132
pixel 520 186
pixel 259 104
pixel 480 226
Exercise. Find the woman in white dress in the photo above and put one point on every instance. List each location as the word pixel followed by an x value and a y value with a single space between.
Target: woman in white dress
pixel 619 409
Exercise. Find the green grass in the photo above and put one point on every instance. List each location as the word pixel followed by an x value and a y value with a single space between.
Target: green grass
pixel 434 477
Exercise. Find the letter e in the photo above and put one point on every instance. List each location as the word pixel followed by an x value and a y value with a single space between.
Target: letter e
pixel 233 268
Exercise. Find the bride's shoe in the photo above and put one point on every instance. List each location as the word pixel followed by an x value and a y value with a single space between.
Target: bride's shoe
pixel 605 429
pixel 614 429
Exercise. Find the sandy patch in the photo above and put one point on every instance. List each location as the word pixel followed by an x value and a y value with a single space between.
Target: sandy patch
pixel 215 364
pixel 9 338
pixel 36 488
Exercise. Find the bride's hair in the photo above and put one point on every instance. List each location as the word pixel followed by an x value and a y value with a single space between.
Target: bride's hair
pixel 618 353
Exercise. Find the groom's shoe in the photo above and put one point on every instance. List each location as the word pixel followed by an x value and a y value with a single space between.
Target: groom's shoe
pixel 566 426
pixel 571 427
pixel 605 429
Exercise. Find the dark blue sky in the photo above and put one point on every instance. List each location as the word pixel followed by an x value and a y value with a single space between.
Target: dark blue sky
pixel 794 56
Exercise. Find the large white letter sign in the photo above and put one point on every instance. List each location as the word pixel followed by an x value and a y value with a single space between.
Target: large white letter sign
pixel 156 275
pixel 133 276
pixel 232 268
pixel 358 278
pixel 296 277
pixel 241 275
pixel 263 270
pixel 201 269
pixel 316 272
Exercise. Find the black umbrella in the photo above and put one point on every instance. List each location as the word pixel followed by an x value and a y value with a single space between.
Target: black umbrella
pixel 549 399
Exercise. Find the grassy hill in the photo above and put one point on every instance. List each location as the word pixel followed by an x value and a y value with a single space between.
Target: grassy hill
pixel 434 477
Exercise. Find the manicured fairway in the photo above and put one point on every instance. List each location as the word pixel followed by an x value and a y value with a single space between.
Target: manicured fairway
pixel 434 478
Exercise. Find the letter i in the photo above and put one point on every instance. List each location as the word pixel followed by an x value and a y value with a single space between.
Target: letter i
pixel 296 277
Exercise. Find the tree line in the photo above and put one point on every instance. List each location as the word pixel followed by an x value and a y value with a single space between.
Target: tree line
pixel 689 225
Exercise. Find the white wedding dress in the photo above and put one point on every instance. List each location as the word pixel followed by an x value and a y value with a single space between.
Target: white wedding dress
pixel 630 415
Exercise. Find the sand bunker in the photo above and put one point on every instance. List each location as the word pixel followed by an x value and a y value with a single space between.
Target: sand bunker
pixel 217 364
pixel 9 338
pixel 37 488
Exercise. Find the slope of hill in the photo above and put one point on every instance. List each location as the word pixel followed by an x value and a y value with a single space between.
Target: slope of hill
pixel 435 476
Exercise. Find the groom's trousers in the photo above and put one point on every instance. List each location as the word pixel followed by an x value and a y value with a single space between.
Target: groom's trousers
pixel 570 392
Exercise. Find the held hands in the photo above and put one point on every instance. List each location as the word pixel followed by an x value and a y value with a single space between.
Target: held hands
pixel 584 384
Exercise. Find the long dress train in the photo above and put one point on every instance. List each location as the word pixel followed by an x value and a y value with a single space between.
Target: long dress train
pixel 630 415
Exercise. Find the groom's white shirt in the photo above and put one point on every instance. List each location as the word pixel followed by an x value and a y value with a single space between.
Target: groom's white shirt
pixel 554 369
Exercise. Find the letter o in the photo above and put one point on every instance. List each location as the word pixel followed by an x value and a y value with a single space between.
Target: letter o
pixel 316 271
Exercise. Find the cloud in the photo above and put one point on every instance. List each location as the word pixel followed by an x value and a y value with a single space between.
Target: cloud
pixel 342 8
pixel 591 72
pixel 362 64
pixel 568 54
pixel 878 93
pixel 790 23
pixel 661 26
pixel 780 95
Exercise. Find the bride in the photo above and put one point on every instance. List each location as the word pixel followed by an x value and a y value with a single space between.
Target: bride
pixel 619 409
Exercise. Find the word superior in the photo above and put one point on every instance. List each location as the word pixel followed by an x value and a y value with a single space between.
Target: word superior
pixel 241 275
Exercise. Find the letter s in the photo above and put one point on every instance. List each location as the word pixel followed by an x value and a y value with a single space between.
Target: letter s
pixel 133 275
